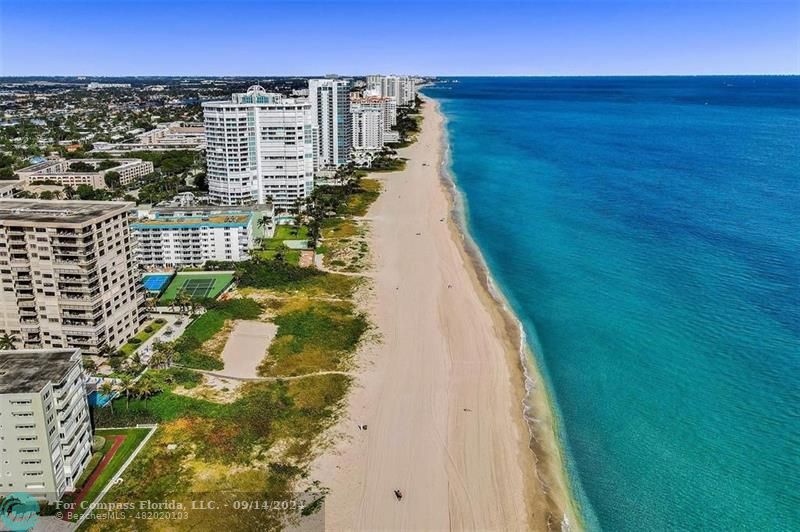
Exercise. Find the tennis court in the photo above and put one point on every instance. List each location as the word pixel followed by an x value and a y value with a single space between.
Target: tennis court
pixel 154 283
pixel 197 285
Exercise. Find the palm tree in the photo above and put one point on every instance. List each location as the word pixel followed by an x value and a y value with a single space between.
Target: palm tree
pixel 126 386
pixel 7 342
pixel 145 389
pixel 107 389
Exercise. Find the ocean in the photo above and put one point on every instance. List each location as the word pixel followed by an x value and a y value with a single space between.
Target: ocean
pixel 646 232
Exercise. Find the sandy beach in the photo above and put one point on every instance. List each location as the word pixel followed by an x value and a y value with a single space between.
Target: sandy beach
pixel 442 393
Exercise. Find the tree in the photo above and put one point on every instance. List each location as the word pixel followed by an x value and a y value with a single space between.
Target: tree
pixel 163 354
pixel 89 365
pixel 107 389
pixel 46 195
pixel 112 179
pixel 126 386
pixel 7 342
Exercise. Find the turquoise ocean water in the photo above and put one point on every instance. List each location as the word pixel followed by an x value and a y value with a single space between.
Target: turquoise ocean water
pixel 646 232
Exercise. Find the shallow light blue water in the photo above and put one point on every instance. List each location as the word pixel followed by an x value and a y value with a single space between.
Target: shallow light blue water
pixel 647 233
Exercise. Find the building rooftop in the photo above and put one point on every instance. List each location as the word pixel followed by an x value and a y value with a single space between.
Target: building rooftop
pixel 211 220
pixel 58 211
pixel 29 370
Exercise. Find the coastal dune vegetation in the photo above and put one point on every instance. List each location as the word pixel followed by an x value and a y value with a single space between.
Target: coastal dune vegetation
pixel 262 437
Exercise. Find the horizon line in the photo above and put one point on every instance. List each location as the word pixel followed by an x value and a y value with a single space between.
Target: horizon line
pixel 763 74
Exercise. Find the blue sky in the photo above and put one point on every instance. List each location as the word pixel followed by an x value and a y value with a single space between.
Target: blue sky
pixel 466 37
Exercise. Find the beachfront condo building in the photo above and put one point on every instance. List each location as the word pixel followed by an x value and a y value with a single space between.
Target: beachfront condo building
pixel 189 236
pixel 92 172
pixel 68 274
pixel 368 123
pixel 330 107
pixel 401 88
pixel 260 149
pixel 45 431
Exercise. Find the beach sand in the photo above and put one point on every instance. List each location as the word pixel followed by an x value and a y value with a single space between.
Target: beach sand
pixel 442 393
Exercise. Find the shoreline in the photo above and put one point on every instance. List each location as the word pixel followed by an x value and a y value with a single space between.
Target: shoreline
pixel 443 390
pixel 535 402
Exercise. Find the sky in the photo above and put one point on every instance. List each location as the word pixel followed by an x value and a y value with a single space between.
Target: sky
pixel 433 37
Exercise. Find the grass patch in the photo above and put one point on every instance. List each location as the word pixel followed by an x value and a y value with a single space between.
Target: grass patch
pixel 313 336
pixel 358 203
pixel 142 336
pixel 281 277
pixel 232 449
pixel 189 345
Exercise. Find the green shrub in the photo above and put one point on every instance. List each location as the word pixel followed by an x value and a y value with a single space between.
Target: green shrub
pixel 134 341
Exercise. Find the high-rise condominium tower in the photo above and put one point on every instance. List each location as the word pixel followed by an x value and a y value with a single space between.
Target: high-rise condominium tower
pixel 330 106
pixel 260 147
pixel 69 275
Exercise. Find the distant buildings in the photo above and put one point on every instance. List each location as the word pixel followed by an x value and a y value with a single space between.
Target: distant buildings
pixel 44 422
pixel 175 136
pixel 401 88
pixel 68 274
pixel 330 107
pixel 177 236
pixel 260 148
pixel 75 172
pixel 97 86
pixel 9 188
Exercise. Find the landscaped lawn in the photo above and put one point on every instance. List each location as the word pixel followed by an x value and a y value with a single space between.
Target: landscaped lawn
pixel 142 336
pixel 133 437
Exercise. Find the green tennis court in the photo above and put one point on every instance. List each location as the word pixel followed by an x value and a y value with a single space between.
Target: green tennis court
pixel 200 285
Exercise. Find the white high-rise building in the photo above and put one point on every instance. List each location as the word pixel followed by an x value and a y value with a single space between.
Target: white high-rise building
pixel 401 88
pixel 368 123
pixel 330 105
pixel 44 422
pixel 260 146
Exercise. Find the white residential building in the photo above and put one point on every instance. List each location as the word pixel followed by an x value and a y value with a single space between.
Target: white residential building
pixel 330 107
pixel 44 422
pixel 177 236
pixel 401 88
pixel 68 276
pixel 166 137
pixel 368 124
pixel 260 147
pixel 62 172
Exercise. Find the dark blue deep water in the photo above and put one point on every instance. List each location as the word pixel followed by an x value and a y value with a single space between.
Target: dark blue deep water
pixel 647 233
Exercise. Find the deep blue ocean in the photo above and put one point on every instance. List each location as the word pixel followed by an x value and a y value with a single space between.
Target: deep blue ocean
pixel 647 233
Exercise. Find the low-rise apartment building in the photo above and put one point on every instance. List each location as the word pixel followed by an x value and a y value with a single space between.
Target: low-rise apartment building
pixel 183 236
pixel 9 188
pixel 68 274
pixel 173 136
pixel 44 422
pixel 76 172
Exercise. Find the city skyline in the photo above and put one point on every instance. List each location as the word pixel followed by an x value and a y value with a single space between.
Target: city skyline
pixel 539 38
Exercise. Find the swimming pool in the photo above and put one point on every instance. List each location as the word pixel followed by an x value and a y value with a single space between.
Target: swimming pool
pixel 99 399
pixel 155 282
